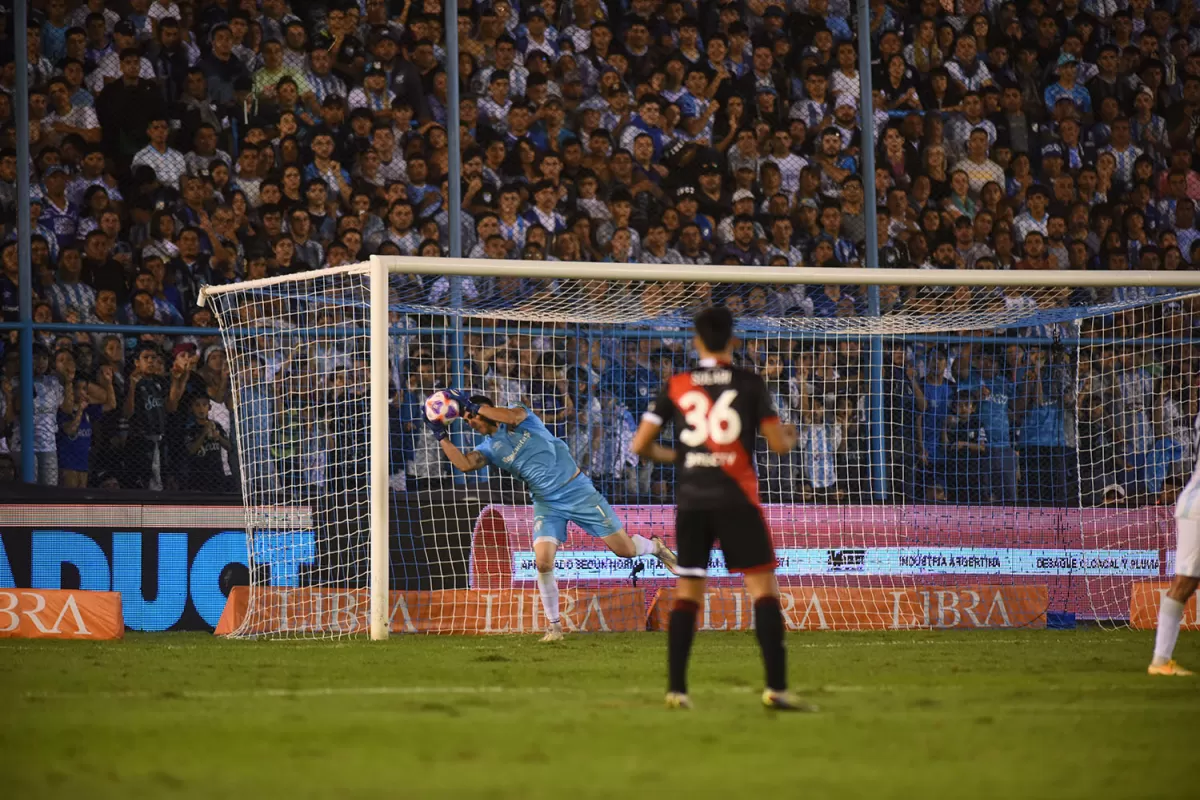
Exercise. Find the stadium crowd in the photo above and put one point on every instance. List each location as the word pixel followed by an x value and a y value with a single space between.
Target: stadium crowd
pixel 183 144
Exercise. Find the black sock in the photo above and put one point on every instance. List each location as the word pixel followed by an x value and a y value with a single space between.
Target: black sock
pixel 680 632
pixel 768 624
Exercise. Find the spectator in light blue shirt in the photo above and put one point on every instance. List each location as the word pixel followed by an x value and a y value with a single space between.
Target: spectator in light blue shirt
pixel 688 207
pixel 54 30
pixel 836 24
pixel 933 407
pixel 70 295
pixel 1067 87
pixel 1047 450
pixel 981 372
pixel 831 226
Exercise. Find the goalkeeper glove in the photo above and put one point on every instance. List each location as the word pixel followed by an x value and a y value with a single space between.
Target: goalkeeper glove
pixel 464 401
pixel 438 429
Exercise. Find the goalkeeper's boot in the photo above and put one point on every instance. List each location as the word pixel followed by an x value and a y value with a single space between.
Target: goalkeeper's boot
pixel 784 701
pixel 678 700
pixel 554 633
pixel 665 555
pixel 1170 668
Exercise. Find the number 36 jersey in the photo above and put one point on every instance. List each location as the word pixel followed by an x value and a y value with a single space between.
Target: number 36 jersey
pixel 717 410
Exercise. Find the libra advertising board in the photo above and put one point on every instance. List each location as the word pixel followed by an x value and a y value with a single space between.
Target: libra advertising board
pixel 1087 559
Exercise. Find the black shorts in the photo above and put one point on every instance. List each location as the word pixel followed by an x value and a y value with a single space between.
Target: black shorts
pixel 742 532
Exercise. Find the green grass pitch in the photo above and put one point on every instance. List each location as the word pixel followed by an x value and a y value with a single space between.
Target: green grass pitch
pixel 969 714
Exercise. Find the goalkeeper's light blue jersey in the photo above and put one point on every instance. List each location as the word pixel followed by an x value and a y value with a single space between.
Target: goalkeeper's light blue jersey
pixel 530 453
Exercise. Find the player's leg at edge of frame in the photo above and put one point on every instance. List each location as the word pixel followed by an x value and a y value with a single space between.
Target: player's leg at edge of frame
pixel 769 630
pixel 1170 612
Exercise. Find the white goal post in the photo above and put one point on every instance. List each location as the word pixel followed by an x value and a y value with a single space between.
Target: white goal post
pixel 714 273
pixel 359 302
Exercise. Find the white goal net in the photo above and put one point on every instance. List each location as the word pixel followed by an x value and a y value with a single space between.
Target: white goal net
pixel 970 455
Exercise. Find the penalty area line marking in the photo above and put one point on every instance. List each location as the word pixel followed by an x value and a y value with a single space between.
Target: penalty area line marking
pixel 408 691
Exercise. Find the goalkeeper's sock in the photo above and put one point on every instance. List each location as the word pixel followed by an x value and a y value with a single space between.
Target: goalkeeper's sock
pixel 641 545
pixel 680 631
pixel 1170 614
pixel 768 625
pixel 548 589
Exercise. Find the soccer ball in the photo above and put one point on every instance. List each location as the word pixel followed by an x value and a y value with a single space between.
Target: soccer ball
pixel 440 408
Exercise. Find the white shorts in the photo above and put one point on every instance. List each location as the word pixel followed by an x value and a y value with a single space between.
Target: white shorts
pixel 1187 505
pixel 1187 548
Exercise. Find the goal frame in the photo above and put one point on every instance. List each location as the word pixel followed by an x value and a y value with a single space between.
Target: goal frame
pixel 377 270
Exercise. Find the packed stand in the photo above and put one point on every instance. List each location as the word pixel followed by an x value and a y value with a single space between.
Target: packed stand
pixel 177 145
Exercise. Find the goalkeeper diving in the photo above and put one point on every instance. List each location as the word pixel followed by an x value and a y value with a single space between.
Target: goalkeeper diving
pixel 517 442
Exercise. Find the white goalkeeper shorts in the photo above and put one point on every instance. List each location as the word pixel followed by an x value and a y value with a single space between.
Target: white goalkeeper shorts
pixel 1187 526
pixel 1187 548
pixel 1187 506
